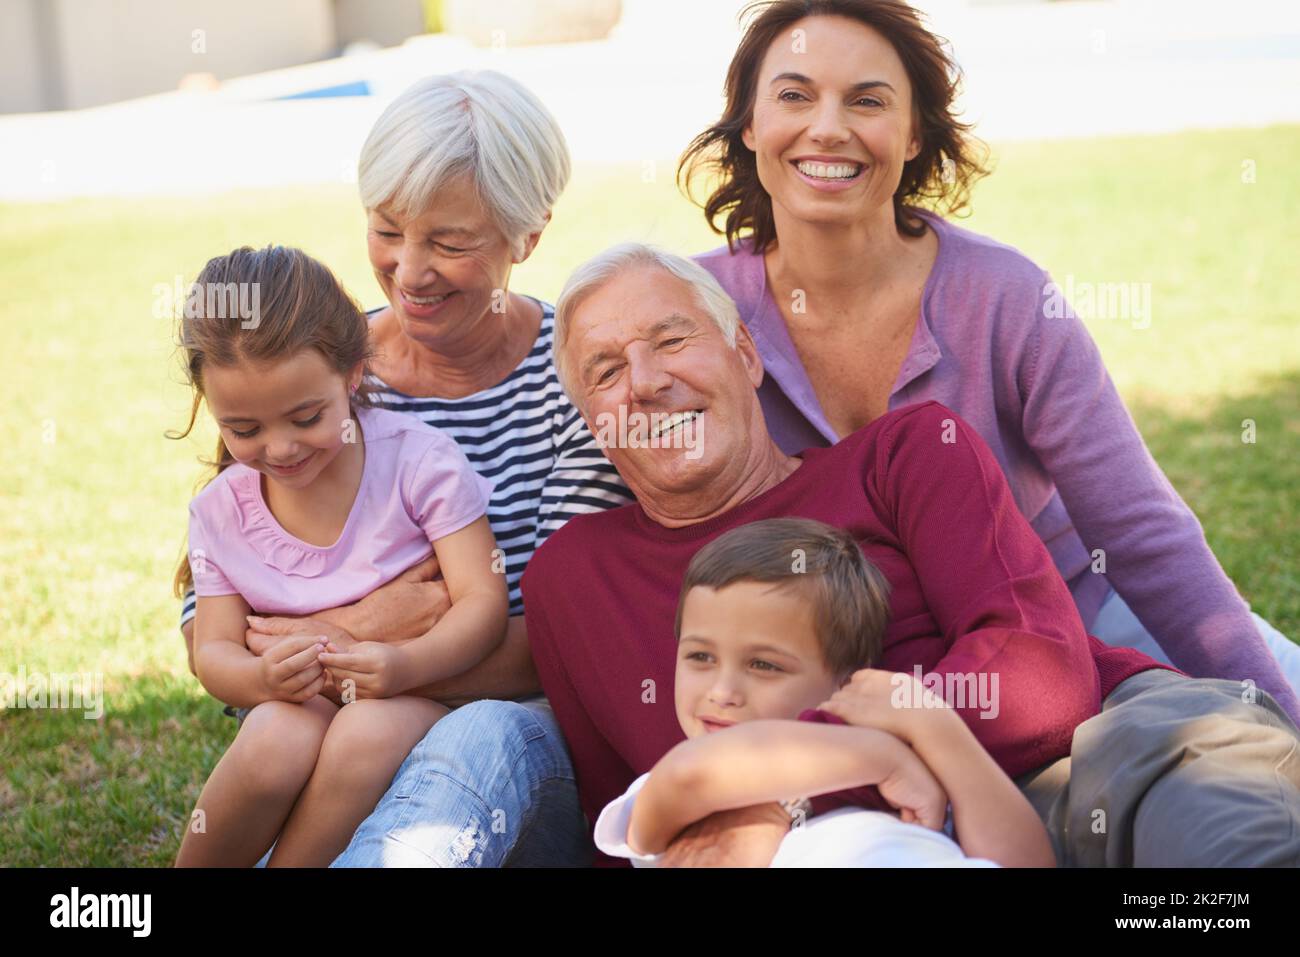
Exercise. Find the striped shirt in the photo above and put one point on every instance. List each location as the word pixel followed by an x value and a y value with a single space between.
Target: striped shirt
pixel 525 437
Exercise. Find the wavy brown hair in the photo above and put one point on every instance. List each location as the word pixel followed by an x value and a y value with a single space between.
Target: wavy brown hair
pixel 940 176
pixel 301 305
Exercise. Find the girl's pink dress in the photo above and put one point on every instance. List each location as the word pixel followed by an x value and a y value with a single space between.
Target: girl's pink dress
pixel 416 486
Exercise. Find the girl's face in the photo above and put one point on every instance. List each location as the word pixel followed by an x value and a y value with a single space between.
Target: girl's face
pixel 287 418
pixel 832 122
pixel 445 272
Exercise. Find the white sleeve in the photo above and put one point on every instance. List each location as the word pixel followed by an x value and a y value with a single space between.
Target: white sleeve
pixel 612 825
pixel 856 837
pixel 913 845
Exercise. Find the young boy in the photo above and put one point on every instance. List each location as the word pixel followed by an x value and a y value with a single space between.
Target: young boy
pixel 775 617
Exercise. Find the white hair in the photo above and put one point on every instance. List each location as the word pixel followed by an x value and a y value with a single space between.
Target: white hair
pixel 481 123
pixel 600 270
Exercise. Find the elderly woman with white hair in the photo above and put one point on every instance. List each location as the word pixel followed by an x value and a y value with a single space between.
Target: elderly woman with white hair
pixel 458 178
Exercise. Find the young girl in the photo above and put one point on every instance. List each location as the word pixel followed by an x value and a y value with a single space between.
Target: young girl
pixel 318 500
pixel 774 617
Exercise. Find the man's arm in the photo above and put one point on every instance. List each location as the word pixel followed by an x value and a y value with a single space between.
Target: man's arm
pixel 1016 647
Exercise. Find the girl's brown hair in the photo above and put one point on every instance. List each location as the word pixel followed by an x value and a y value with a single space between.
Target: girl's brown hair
pixel 940 175
pixel 850 596
pixel 297 304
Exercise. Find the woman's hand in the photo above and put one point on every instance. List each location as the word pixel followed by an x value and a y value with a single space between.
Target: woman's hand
pixel 406 607
pixel 264 633
pixel 291 670
pixel 375 670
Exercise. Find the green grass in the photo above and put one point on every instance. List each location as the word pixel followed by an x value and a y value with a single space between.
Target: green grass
pixel 92 497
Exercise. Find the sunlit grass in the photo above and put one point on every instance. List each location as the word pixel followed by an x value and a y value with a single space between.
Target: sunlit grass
pixel 92 496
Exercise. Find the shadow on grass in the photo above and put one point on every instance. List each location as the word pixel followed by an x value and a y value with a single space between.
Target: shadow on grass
pixel 1241 485
pixel 112 791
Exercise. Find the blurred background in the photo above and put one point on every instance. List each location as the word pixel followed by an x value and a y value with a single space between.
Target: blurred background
pixel 1133 141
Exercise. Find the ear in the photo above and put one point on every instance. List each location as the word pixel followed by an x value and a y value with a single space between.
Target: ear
pixel 355 376
pixel 747 135
pixel 749 355
pixel 573 401
pixel 530 243
pixel 582 412
pixel 913 145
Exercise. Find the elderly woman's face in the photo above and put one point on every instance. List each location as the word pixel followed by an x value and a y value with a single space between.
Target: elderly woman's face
pixel 831 127
pixel 672 404
pixel 445 271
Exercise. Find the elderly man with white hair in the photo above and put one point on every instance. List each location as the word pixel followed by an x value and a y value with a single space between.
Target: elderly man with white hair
pixel 1176 770
pixel 458 178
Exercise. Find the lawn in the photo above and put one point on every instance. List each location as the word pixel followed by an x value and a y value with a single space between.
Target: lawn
pixel 92 500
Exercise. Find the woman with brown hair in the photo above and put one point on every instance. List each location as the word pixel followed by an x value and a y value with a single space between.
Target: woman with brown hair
pixel 839 125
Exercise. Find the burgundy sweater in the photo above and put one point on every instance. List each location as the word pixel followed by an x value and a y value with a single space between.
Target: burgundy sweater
pixel 973 590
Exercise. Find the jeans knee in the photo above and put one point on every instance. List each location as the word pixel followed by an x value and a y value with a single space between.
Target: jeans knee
pixel 1220 814
pixel 492 736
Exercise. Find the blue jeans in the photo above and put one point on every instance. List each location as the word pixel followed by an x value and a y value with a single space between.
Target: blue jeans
pixel 490 785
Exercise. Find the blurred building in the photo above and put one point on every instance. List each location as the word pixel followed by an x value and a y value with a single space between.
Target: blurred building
pixel 70 54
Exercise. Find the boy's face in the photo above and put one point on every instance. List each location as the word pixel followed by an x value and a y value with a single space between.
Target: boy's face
pixel 748 650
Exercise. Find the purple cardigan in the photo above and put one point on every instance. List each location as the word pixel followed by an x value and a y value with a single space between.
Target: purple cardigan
pixel 1038 392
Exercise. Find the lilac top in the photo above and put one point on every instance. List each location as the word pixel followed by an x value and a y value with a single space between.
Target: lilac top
pixel 1039 394
pixel 416 486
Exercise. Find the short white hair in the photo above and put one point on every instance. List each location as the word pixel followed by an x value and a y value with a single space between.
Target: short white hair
pixel 602 269
pixel 476 122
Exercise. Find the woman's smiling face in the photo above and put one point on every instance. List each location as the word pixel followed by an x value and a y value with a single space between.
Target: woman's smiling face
pixel 443 271
pixel 832 122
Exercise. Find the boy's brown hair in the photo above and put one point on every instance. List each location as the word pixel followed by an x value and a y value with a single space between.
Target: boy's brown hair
pixel 850 596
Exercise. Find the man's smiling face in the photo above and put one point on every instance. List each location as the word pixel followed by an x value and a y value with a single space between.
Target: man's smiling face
pixel 643 344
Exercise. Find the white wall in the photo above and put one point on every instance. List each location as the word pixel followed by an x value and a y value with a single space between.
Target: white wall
pixel 102 51
pixel 24 83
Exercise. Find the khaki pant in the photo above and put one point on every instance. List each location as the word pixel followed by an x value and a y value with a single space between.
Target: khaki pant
pixel 1175 772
